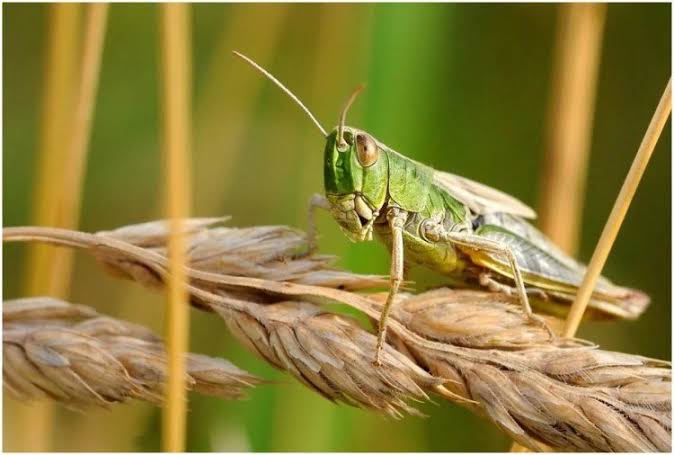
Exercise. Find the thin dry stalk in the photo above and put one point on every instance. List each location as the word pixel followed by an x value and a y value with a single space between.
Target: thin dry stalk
pixel 619 211
pixel 176 43
pixel 47 270
pixel 579 37
pixel 71 354
pixel 473 348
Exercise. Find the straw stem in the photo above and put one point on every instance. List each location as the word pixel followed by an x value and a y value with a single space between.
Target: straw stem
pixel 176 68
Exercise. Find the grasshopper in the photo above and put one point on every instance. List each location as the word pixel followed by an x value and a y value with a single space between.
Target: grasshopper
pixel 447 223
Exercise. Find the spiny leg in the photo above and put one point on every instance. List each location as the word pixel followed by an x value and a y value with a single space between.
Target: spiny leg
pixel 316 201
pixel 396 220
pixel 491 246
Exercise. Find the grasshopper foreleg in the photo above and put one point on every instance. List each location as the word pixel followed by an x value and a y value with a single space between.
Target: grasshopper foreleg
pixel 316 201
pixel 396 220
pixel 480 243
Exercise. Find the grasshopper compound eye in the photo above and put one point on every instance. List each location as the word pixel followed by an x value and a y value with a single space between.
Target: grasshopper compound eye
pixel 367 149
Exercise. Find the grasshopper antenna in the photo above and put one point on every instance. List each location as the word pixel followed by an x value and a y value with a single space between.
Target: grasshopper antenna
pixel 284 88
pixel 342 118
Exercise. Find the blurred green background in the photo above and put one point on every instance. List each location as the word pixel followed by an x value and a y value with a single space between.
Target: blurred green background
pixel 464 88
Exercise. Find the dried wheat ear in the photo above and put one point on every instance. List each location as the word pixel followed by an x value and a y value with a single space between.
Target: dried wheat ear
pixel 69 353
pixel 473 348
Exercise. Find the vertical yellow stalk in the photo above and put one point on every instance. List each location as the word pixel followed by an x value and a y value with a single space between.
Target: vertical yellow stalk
pixel 176 72
pixel 47 269
pixel 619 211
pixel 579 37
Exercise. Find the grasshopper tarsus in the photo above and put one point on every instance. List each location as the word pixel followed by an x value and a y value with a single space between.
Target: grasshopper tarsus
pixel 540 321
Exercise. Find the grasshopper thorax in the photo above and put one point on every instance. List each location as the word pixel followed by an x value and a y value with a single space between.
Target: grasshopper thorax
pixel 356 176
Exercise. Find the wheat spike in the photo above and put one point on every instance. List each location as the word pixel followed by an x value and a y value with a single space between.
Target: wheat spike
pixel 70 353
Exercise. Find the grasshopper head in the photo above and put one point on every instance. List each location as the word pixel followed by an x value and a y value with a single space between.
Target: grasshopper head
pixel 356 168
pixel 356 180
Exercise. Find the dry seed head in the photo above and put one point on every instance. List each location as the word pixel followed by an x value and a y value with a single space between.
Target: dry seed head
pixel 563 393
pixel 70 354
pixel 331 354
pixel 276 253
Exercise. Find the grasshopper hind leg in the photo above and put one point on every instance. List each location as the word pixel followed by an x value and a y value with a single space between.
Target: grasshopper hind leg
pixel 480 243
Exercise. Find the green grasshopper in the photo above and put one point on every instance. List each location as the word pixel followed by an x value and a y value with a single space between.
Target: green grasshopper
pixel 460 228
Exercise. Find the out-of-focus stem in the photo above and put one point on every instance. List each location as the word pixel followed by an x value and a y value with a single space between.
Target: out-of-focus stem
pixel 223 118
pixel 570 119
pixel 47 269
pixel 176 72
pixel 76 153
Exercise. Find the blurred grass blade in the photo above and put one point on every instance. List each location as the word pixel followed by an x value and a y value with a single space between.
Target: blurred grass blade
pixel 176 72
pixel 76 153
pixel 48 269
pixel 223 117
pixel 619 211
pixel 579 38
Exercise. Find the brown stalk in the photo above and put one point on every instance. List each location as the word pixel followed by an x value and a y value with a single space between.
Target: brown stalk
pixel 72 355
pixel 476 349
pixel 176 70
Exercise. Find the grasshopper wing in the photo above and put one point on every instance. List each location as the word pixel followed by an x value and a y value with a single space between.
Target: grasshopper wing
pixel 479 198
pixel 546 267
